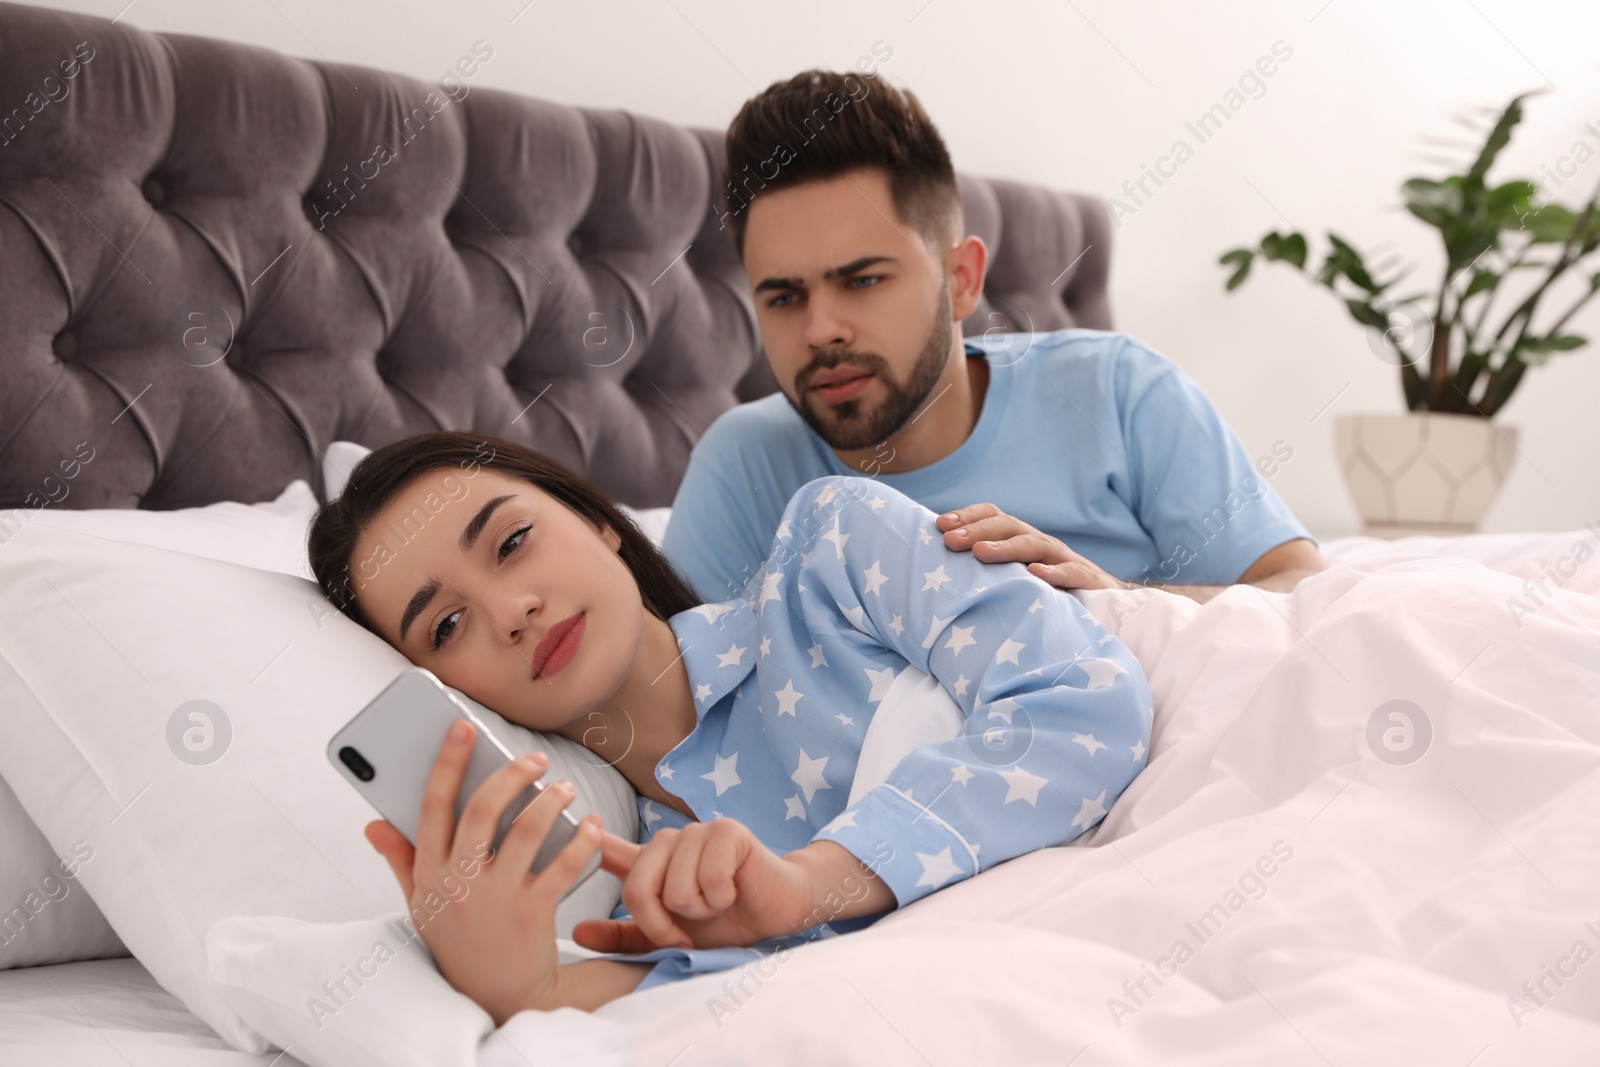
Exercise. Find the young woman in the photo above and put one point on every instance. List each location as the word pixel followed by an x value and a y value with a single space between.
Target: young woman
pixel 741 725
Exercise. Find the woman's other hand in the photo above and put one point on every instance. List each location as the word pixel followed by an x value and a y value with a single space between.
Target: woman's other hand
pixel 489 923
pixel 713 884
pixel 705 886
pixel 992 536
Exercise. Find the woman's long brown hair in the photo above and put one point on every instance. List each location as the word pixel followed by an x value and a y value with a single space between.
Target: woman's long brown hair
pixel 339 526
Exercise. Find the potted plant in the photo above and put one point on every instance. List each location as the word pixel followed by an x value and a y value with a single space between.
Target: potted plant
pixel 1437 467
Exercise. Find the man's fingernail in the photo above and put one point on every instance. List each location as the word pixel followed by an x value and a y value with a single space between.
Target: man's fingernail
pixel 950 515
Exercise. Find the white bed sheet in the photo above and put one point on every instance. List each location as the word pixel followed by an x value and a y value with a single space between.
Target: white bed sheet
pixel 107 1013
pixel 1417 900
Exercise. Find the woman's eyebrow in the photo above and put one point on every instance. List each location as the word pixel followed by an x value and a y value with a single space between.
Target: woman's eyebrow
pixel 469 537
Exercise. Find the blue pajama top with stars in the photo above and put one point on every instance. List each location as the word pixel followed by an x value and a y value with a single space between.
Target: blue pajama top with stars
pixel 857 586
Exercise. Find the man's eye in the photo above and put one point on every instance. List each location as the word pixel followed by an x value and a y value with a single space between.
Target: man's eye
pixel 440 634
pixel 865 281
pixel 516 535
pixel 782 300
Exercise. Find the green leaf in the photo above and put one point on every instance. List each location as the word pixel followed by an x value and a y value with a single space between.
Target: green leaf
pixel 1554 224
pixel 1363 312
pixel 1499 137
pixel 1554 343
pixel 1481 280
pixel 1436 203
pixel 1508 203
pixel 1290 248
pixel 1349 263
pixel 1242 257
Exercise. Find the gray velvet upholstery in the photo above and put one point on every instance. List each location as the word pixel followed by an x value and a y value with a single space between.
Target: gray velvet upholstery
pixel 209 270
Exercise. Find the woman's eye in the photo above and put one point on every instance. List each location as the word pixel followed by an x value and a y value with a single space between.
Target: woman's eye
pixel 516 536
pixel 440 633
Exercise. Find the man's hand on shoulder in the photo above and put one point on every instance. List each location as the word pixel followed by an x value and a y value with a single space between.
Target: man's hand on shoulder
pixel 992 536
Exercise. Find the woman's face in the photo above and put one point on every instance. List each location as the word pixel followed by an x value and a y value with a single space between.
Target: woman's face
pixel 478 578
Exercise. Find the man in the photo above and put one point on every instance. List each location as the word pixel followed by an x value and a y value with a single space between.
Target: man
pixel 1098 462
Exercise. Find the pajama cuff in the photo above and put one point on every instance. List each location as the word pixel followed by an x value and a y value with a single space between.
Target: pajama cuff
pixel 913 850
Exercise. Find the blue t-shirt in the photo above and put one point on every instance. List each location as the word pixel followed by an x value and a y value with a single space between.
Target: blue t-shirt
pixel 858 588
pixel 1088 435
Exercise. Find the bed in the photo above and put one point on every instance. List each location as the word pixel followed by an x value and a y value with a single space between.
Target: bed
pixel 1370 826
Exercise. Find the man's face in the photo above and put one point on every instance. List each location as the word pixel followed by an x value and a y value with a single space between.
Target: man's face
pixel 853 306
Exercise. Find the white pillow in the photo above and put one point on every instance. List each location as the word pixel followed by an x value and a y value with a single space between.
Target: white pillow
pixel 342 456
pixel 50 919
pixel 272 971
pixel 270 535
pixel 108 649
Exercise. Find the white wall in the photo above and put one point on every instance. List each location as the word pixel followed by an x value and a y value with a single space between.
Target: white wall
pixel 1080 96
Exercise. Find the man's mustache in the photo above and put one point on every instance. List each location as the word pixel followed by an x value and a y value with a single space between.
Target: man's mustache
pixel 867 361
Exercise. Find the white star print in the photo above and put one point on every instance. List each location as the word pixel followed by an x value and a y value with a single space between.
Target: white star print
pixel 651 815
pixel 926 537
pixel 1101 672
pixel 665 771
pixel 935 578
pixel 766 645
pixel 769 588
pixel 1138 751
pixel 1090 811
pixel 1106 638
pixel 817 658
pixel 808 775
pixel 857 616
pixel 1020 785
pixel 846 818
pixel 960 637
pixel 961 773
pixel 826 496
pixel 874 577
pixel 1002 709
pixel 1035 606
pixel 837 536
pixel 845 719
pixel 797 810
pixel 881 681
pixel 805 557
pixel 711 612
pixel 937 869
pixel 934 629
pixel 1008 651
pixel 725 774
pixel 783 528
pixel 1088 741
pixel 960 685
pixel 876 502
pixel 896 625
pixel 731 657
pixel 702 691
pixel 788 696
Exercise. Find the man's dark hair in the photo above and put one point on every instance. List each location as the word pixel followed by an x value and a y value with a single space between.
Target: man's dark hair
pixel 820 124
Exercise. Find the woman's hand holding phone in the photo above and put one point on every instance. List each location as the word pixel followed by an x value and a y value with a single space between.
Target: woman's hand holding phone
pixel 496 941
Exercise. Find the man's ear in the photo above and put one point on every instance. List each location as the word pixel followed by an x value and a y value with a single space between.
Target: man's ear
pixel 964 266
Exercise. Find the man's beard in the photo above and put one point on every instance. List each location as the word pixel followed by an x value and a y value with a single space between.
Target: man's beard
pixel 847 426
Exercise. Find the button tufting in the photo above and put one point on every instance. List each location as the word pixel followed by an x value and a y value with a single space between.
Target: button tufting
pixel 154 191
pixel 65 345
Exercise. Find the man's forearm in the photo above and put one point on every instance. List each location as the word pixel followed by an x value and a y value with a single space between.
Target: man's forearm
pixel 1279 582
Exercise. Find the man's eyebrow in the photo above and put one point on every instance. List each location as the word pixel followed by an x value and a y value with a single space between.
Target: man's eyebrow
pixel 855 266
pixel 469 537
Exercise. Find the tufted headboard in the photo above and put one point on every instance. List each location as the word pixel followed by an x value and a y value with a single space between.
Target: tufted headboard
pixel 215 260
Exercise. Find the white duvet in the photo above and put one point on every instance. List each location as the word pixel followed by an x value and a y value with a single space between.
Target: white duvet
pixel 1369 833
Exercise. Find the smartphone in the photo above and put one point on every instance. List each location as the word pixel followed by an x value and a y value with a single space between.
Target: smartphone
pixel 388 751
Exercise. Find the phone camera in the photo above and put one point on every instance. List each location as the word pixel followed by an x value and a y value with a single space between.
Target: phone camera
pixel 357 763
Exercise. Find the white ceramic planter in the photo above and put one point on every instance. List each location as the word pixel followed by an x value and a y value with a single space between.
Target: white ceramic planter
pixel 1423 472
